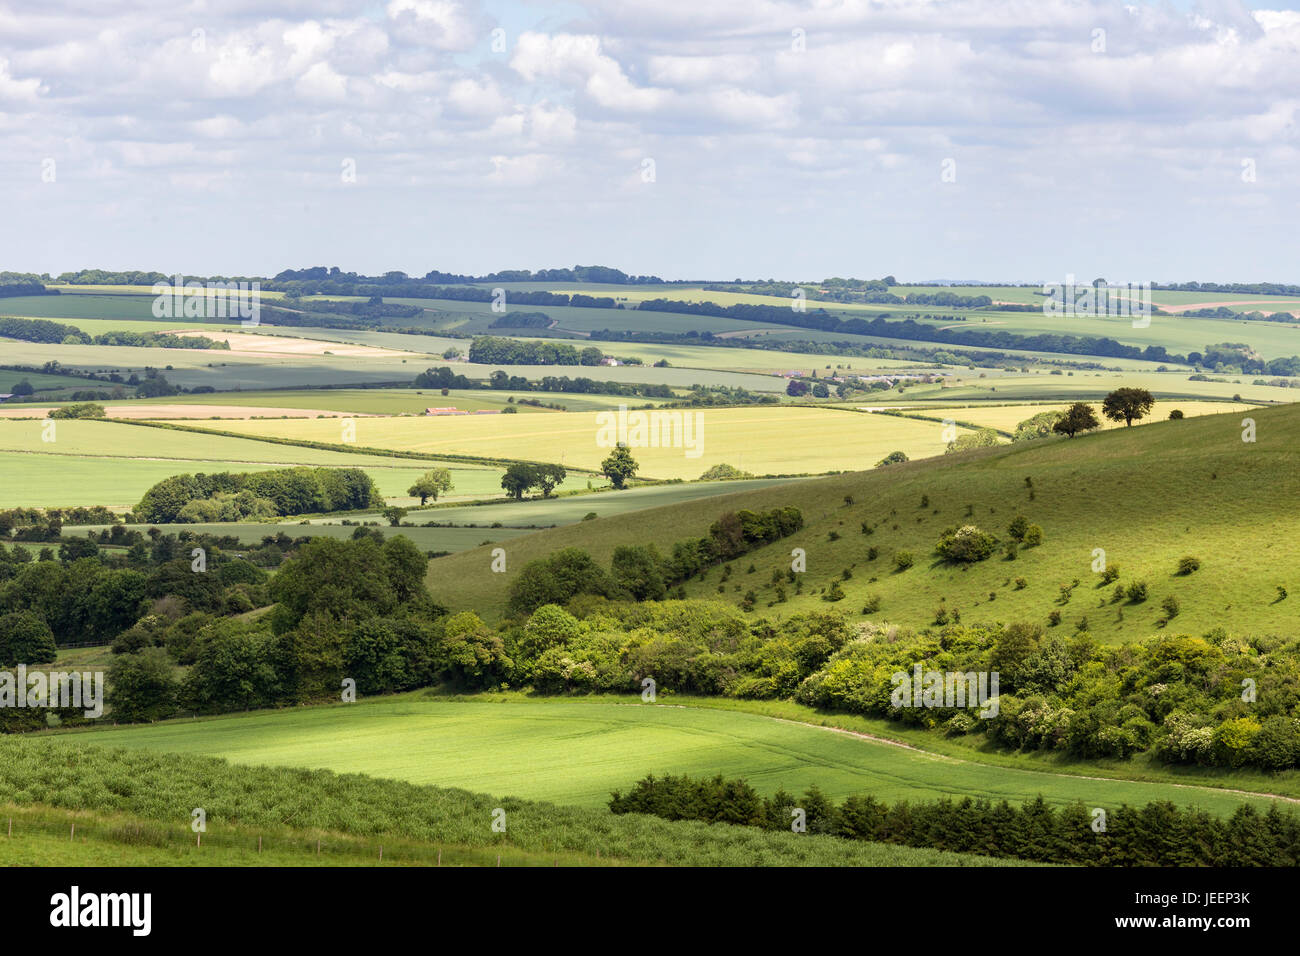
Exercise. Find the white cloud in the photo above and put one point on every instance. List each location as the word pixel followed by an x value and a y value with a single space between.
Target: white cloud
pixel 852 124
pixel 15 89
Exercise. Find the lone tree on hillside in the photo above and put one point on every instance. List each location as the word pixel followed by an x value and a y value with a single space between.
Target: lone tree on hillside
pixel 1079 417
pixel 1127 405
pixel 619 466
pixel 431 484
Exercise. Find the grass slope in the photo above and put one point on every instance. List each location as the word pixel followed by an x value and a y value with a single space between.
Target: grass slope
pixel 1147 496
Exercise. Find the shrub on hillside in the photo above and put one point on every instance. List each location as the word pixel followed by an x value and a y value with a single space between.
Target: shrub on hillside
pixel 966 545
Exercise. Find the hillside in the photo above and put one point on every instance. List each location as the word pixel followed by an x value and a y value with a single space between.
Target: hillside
pixel 1148 496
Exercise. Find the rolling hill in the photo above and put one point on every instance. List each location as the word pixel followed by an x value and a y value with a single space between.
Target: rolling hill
pixel 1147 496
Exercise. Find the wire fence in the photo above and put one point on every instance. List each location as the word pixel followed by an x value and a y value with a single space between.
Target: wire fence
pixel 244 847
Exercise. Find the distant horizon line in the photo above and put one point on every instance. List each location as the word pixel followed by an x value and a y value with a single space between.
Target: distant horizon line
pixel 459 278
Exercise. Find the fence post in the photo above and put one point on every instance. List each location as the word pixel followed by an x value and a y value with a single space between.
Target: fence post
pixel 259 843
pixel 381 852
pixel 72 835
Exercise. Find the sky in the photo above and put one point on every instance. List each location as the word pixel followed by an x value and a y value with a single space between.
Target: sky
pixel 999 140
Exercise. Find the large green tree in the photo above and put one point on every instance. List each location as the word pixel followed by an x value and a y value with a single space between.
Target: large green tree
pixel 1079 417
pixel 1127 405
pixel 25 638
pixel 619 466
pixel 431 484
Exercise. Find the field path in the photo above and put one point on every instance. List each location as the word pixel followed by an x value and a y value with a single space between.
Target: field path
pixel 1265 307
pixel 1050 773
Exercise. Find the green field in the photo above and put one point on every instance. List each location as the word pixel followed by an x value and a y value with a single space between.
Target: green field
pixel 1001 387
pixel 1179 334
pixel 141 797
pixel 1146 495
pixel 113 464
pixel 574 751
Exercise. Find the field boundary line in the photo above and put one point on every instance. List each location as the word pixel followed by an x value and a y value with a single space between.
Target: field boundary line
pixel 1049 773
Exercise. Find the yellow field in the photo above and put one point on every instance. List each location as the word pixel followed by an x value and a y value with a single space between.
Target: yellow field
pixel 773 440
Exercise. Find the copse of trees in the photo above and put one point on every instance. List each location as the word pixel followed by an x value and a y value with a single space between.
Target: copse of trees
pixel 345 580
pixel 89 595
pixel 639 571
pixel 492 350
pixel 522 477
pixel 1040 425
pixel 289 491
pixel 80 410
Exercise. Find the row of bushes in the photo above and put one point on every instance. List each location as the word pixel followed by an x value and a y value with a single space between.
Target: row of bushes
pixel 1158 834
pixel 55 333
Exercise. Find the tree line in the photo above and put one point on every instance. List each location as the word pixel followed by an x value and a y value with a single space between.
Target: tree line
pixel 1157 834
